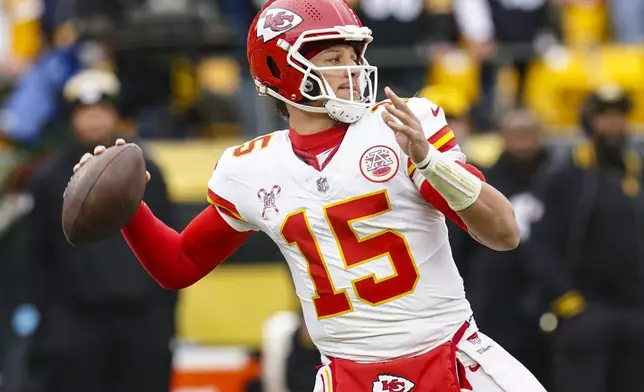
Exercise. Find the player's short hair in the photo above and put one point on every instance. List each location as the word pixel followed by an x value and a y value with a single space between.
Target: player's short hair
pixel 282 111
pixel 282 107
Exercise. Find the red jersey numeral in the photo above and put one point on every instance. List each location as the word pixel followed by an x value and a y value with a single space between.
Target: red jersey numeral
pixel 249 146
pixel 355 251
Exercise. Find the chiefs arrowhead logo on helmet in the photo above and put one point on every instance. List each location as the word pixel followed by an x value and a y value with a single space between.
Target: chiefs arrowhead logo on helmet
pixel 276 21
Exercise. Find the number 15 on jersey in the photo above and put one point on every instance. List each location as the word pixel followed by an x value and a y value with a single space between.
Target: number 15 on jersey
pixel 355 251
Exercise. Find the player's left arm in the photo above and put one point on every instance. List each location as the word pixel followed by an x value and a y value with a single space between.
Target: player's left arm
pixel 461 188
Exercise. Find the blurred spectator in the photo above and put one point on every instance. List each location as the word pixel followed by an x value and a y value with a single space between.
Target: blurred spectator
pixel 15 166
pixel 61 49
pixel 104 324
pixel 627 20
pixel 500 32
pixel 258 115
pixel 239 14
pixel 500 289
pixel 34 103
pixel 302 361
pixel 587 249
pixel 7 286
pixel 217 111
pixel 20 35
pixel 6 54
pixel 401 30
pixel 45 38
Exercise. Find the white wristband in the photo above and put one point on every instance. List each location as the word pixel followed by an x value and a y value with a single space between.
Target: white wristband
pixel 459 187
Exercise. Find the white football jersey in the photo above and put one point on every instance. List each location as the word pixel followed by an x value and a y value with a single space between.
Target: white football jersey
pixel 370 258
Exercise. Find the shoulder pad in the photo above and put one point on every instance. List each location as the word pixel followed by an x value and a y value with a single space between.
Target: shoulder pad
pixel 423 107
pixel 380 104
pixel 252 146
pixel 242 155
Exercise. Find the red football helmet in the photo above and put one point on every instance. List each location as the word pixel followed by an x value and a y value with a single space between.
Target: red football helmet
pixel 275 41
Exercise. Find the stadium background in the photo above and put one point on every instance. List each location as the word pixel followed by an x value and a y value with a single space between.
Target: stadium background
pixel 189 97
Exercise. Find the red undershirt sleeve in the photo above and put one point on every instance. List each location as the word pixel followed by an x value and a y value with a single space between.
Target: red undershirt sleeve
pixel 178 260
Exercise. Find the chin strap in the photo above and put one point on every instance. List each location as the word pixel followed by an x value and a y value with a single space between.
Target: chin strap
pixel 339 111
pixel 344 112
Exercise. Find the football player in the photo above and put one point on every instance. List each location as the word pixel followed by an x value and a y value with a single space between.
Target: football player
pixel 355 194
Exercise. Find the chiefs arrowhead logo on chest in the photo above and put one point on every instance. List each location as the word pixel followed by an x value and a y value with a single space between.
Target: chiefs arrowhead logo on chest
pixel 389 383
pixel 379 164
pixel 276 21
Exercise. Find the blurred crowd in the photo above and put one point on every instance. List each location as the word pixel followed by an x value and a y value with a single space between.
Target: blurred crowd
pixel 546 96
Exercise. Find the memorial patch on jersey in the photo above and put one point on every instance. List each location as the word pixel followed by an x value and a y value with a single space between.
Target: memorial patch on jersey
pixel 268 199
pixel 379 164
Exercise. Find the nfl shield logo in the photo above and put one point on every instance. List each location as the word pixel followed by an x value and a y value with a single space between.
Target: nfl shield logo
pixel 323 185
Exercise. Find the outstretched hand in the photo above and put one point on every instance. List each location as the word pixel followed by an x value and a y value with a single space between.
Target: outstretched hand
pixel 406 126
pixel 98 150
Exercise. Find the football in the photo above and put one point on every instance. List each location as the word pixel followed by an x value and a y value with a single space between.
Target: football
pixel 104 194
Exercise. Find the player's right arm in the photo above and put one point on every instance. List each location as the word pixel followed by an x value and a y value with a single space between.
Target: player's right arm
pixel 178 260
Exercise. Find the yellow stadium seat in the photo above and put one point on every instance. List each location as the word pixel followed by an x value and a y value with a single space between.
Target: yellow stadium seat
pixel 24 18
pixel 221 75
pixel 584 23
pixel 184 85
pixel 453 101
pixel 458 69
pixel 622 65
pixel 557 84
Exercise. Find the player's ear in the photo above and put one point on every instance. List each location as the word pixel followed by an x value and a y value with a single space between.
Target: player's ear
pixel 311 86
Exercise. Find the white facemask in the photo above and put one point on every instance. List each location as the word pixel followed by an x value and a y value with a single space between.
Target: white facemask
pixel 344 110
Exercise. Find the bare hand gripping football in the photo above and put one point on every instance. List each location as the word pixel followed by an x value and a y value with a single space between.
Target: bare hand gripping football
pixel 104 192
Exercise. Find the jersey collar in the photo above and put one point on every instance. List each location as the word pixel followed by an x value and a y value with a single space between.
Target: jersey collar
pixel 319 142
